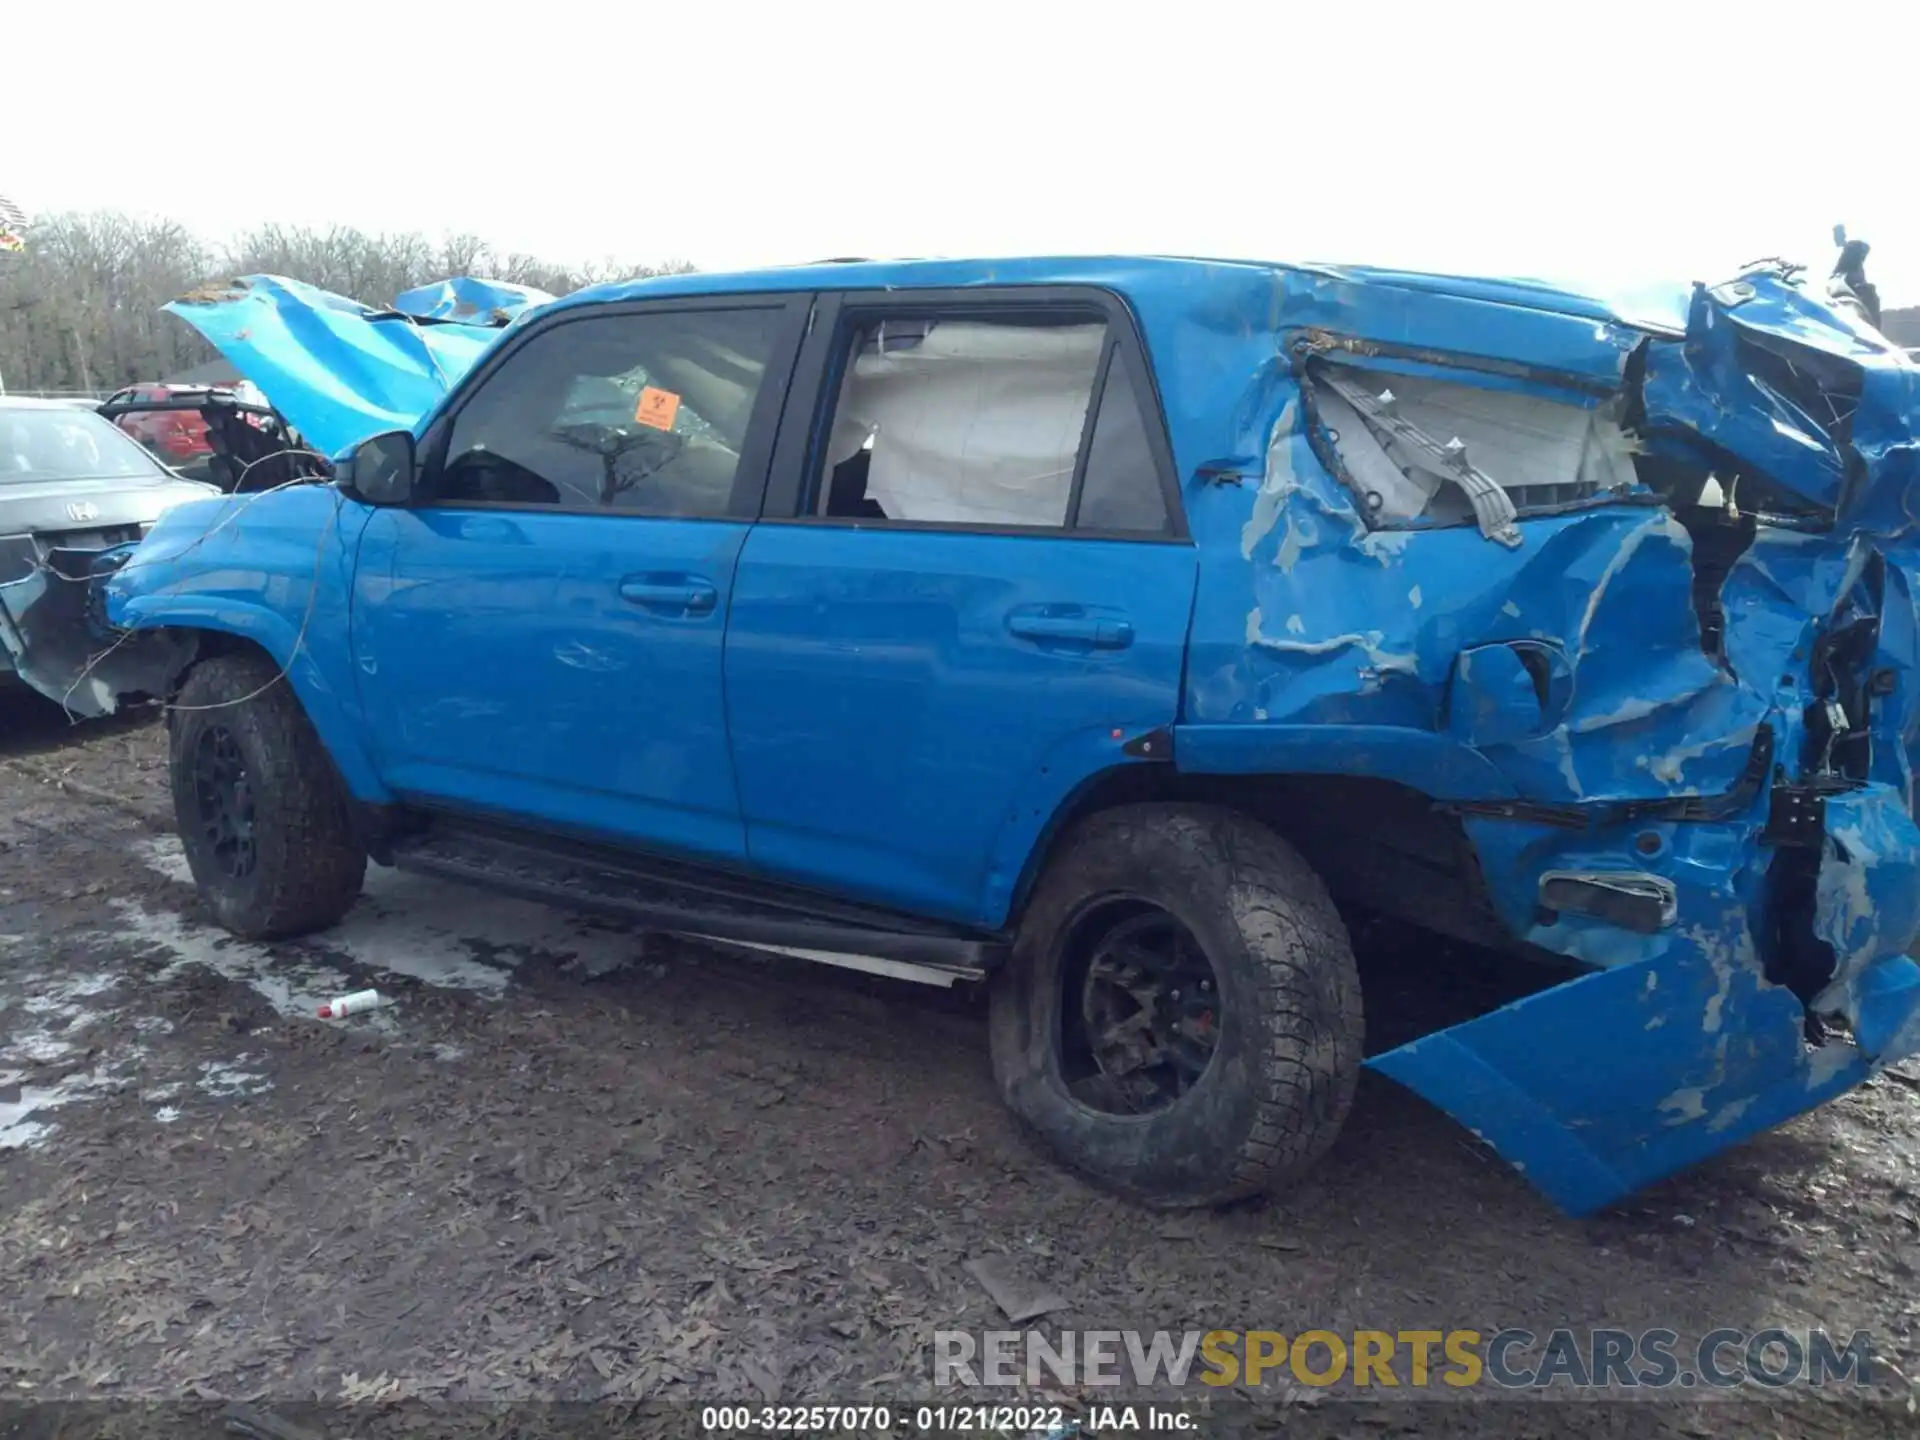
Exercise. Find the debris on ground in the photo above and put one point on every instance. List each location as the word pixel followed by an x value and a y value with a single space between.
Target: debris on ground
pixel 578 1196
pixel 1019 1297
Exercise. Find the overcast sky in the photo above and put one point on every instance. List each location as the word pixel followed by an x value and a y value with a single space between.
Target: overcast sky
pixel 1608 144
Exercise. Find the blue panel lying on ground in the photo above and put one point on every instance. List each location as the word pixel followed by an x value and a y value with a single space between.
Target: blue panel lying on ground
pixel 1595 1087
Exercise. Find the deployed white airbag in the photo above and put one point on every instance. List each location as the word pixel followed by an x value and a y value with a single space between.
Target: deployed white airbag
pixel 975 423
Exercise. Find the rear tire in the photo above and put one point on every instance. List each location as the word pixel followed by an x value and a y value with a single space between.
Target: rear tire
pixel 262 814
pixel 1247 1093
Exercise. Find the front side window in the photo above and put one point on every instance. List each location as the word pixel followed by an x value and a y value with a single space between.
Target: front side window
pixel 645 414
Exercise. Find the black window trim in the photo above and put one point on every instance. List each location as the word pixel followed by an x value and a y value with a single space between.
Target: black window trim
pixel 748 497
pixel 815 388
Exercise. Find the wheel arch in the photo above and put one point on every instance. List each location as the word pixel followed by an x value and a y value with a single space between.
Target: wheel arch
pixel 334 719
pixel 1407 856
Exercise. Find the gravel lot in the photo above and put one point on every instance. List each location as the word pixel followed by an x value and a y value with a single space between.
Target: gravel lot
pixel 570 1161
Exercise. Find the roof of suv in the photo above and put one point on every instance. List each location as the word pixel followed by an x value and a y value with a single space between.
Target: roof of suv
pixel 1130 275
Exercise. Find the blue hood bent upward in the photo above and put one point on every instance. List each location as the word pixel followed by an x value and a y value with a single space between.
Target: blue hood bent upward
pixel 340 371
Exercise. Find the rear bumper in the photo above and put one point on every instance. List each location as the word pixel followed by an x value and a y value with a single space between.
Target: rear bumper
pixel 1683 1045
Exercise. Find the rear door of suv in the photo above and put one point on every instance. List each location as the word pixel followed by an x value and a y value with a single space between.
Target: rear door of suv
pixel 539 634
pixel 968 593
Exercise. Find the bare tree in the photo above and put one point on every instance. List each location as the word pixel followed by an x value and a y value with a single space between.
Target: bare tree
pixel 80 307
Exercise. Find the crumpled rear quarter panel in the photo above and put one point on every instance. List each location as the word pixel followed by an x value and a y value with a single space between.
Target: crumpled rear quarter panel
pixel 1323 644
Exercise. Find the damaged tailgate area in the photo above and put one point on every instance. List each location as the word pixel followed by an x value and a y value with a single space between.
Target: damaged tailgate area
pixel 1632 609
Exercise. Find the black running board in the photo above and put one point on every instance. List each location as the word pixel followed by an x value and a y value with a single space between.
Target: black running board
pixel 686 901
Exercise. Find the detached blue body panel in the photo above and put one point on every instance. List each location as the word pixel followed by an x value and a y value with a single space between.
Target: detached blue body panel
pixel 1621 694
pixel 1675 1048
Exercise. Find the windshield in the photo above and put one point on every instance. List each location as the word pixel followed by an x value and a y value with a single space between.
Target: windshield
pixel 66 444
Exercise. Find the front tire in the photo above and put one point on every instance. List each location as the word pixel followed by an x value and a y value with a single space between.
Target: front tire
pixel 1180 1018
pixel 262 814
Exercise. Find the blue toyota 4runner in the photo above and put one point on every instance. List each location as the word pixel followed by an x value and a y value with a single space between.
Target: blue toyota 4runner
pixel 1107 630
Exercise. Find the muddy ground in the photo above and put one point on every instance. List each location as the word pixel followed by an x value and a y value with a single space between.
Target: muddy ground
pixel 570 1161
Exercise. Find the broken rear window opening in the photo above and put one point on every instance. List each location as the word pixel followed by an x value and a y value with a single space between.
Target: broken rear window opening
pixel 1421 451
pixel 62 444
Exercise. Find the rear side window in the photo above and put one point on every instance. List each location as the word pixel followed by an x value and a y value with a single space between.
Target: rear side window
pixel 968 422
pixel 1121 487
pixel 645 414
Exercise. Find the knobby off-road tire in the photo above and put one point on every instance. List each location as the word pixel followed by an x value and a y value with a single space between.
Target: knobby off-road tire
pixel 1287 1055
pixel 306 863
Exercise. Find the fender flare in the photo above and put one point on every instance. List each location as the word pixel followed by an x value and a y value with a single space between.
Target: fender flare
pixel 335 716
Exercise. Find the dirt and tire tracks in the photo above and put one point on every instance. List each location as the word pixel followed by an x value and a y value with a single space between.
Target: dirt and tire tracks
pixel 570 1161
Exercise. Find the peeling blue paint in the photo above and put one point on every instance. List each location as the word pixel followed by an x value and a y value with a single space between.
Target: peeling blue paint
pixel 1677 1044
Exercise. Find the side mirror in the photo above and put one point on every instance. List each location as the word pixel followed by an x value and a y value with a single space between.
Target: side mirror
pixel 381 469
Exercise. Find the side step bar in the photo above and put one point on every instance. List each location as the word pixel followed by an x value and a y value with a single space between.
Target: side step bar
pixel 598 883
pixel 919 971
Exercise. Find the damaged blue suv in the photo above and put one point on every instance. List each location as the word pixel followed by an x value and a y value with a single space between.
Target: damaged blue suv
pixel 1113 632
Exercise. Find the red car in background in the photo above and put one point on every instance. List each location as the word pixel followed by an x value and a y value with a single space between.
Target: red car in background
pixel 176 425
pixel 177 437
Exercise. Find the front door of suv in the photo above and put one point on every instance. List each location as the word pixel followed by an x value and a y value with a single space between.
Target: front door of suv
pixel 539 634
pixel 969 594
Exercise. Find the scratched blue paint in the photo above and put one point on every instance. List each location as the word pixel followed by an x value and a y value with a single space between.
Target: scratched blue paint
pixel 1319 643
pixel 1867 904
pixel 1599 1086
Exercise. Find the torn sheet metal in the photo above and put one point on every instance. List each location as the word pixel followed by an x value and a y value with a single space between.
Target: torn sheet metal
pixel 1615 696
pixel 1797 388
pixel 1867 897
pixel 1679 1045
pixel 1677 622
pixel 470 301
pixel 59 643
pixel 340 370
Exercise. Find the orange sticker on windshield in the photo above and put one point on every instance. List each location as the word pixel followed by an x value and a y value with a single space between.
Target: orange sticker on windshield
pixel 657 408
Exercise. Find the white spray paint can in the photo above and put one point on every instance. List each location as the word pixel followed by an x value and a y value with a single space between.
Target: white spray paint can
pixel 351 1004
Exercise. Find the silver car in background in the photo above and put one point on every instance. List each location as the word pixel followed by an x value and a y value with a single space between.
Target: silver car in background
pixel 70 481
